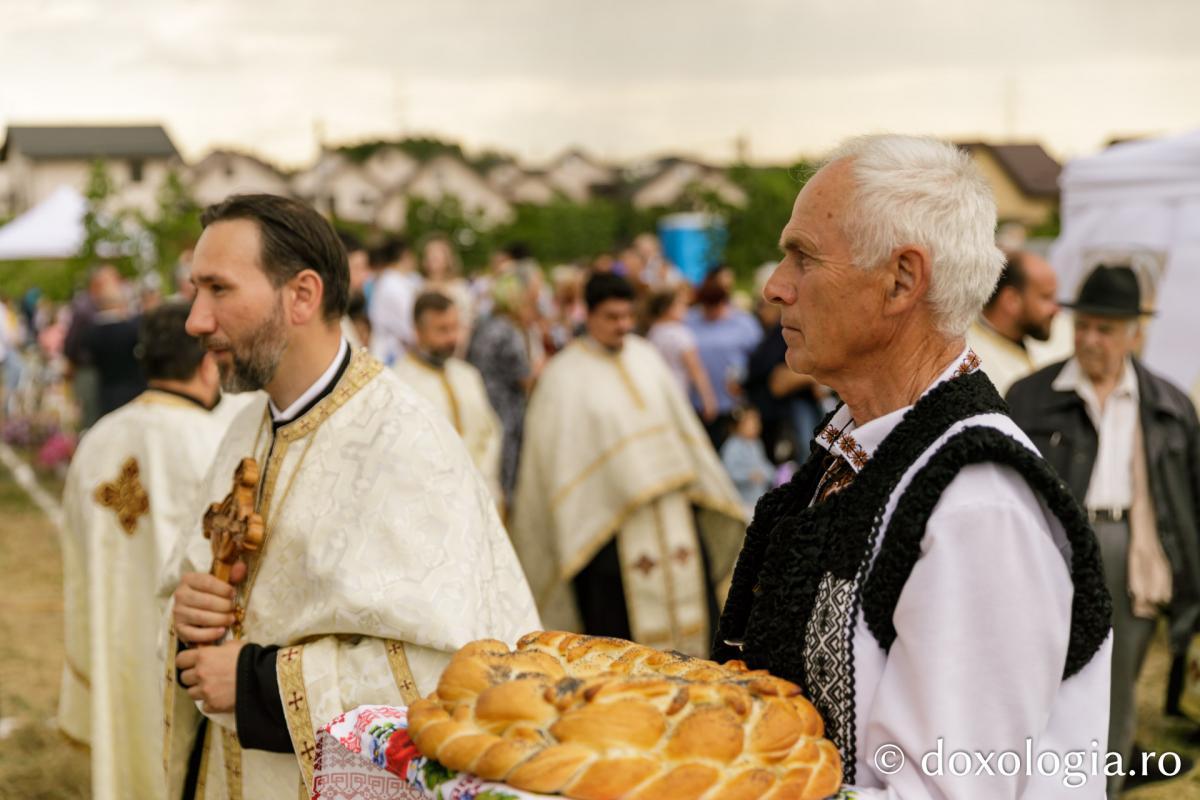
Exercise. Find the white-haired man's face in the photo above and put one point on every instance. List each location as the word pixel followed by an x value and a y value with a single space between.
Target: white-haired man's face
pixel 831 309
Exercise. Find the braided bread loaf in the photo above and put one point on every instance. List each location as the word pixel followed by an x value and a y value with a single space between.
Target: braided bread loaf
pixel 604 719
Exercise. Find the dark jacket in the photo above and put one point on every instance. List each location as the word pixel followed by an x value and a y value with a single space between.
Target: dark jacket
pixel 1059 425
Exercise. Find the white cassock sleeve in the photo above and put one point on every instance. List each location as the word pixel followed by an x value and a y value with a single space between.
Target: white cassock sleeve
pixel 982 627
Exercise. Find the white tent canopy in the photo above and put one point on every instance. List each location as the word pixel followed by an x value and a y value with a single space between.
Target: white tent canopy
pixel 52 229
pixel 1141 200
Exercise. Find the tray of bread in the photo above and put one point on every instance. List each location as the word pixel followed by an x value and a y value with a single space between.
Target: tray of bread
pixel 595 718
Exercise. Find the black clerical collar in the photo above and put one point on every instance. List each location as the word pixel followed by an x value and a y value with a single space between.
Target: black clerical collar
pixel 185 396
pixel 325 383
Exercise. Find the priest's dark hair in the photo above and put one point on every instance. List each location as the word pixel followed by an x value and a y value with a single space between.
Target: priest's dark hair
pixel 604 286
pixel 164 349
pixel 430 301
pixel 294 238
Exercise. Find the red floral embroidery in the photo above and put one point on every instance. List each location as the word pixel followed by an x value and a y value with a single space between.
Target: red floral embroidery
pixel 400 752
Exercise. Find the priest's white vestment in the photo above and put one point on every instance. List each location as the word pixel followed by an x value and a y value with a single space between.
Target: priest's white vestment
pixel 132 491
pixel 383 555
pixel 456 389
pixel 612 448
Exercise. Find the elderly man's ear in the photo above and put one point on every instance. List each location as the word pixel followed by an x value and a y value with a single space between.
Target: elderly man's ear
pixel 907 274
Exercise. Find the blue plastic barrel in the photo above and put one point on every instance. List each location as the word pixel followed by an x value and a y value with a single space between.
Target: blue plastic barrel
pixel 694 242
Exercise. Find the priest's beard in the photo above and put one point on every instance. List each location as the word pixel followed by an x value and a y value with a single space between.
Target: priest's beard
pixel 436 358
pixel 253 361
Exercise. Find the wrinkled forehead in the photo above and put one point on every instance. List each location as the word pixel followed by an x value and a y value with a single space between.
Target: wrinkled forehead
pixel 820 207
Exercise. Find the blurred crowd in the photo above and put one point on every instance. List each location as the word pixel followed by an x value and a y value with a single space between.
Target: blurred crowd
pixel 66 365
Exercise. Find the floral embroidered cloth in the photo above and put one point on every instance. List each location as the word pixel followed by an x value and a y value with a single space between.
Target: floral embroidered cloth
pixel 365 754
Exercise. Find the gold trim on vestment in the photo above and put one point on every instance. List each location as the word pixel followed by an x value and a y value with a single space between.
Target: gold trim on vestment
pixel 169 697
pixel 202 778
pixel 231 749
pixel 289 668
pixel 600 351
pixel 717 505
pixel 158 398
pixel 363 367
pixel 561 494
pixel 665 563
pixel 401 673
pixel 569 570
pixel 455 412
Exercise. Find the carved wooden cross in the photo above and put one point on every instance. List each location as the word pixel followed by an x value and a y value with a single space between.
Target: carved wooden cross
pixel 232 525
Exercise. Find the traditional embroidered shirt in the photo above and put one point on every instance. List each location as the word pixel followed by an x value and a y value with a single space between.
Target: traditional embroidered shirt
pixel 976 624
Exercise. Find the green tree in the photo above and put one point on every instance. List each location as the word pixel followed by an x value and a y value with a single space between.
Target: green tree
pixel 563 231
pixel 473 238
pixel 105 235
pixel 753 229
pixel 174 227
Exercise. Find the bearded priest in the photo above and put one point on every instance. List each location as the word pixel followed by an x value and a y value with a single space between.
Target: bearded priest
pixel 383 552
pixel 623 517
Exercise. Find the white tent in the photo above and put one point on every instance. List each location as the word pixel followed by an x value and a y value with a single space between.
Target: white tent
pixel 51 229
pixel 1141 200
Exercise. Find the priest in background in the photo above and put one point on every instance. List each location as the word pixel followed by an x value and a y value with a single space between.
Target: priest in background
pixel 383 552
pixel 132 491
pixel 453 386
pixel 1016 318
pixel 624 519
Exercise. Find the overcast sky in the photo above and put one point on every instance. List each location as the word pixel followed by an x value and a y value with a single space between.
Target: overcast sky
pixel 621 78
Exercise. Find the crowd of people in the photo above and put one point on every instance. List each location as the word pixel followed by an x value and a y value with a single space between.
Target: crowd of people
pixel 585 447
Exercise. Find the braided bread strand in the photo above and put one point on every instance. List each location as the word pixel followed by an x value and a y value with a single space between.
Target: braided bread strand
pixel 594 718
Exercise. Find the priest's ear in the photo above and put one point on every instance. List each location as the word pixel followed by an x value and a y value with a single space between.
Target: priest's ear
pixel 304 295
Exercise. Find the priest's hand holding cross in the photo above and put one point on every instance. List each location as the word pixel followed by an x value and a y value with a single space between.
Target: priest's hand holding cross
pixel 205 605
pixel 204 609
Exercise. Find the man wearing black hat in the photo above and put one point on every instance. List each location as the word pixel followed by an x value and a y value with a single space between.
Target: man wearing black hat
pixel 1127 442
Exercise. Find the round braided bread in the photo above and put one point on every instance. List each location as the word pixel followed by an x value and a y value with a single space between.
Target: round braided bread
pixel 604 719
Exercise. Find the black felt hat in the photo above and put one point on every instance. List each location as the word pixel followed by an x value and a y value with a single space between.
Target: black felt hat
pixel 1109 292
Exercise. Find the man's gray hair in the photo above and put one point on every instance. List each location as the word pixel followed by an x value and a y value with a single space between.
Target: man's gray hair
pixel 923 191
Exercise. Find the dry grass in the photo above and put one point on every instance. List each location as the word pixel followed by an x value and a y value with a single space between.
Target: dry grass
pixel 36 761
pixel 1162 734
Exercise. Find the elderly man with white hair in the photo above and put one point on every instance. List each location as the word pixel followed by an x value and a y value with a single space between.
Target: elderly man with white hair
pixel 926 577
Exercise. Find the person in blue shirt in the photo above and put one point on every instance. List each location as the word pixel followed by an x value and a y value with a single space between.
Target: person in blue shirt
pixel 725 336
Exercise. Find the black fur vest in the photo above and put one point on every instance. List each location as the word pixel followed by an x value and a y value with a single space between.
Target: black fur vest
pixel 794 552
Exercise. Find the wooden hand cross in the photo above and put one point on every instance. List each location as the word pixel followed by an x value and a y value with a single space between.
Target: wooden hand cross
pixel 232 525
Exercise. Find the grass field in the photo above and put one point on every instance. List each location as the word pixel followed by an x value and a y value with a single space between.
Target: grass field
pixel 37 763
